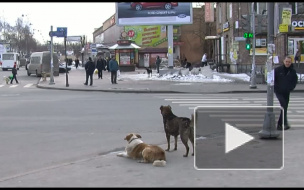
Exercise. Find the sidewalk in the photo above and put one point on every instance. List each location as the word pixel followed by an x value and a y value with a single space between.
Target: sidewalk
pixel 76 78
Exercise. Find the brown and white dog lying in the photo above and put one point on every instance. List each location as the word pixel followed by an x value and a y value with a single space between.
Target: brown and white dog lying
pixel 137 149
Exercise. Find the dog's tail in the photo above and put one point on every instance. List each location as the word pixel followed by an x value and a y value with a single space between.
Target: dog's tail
pixel 159 163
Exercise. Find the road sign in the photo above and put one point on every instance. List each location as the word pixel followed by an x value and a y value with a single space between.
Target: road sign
pixel 57 33
pixel 63 31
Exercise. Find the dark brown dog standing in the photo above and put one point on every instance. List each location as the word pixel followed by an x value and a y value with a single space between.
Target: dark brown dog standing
pixel 175 126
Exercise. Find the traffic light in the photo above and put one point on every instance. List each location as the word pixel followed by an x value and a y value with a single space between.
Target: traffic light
pixel 246 22
pixel 248 43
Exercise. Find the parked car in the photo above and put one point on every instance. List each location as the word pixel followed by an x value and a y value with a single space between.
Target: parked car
pixel 138 6
pixel 62 68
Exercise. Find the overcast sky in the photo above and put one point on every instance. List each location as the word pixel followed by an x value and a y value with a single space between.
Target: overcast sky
pixel 79 18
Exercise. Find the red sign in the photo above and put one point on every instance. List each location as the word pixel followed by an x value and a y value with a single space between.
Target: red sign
pixel 124 42
pixel 131 33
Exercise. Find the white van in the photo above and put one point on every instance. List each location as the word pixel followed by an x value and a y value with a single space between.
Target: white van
pixel 9 60
pixel 41 62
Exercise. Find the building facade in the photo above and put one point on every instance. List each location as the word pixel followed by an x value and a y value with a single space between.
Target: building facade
pixel 193 38
pixel 231 26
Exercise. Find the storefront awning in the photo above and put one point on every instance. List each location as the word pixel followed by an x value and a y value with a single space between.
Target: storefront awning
pixel 131 46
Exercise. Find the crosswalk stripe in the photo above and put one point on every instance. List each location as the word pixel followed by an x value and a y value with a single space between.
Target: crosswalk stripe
pixel 295 108
pixel 15 85
pixel 28 85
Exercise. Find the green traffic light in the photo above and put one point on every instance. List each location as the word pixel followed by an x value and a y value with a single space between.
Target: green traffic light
pixel 248 46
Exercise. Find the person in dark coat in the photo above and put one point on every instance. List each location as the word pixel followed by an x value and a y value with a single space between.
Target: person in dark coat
pixel 157 62
pixel 107 63
pixel 285 81
pixel 113 66
pixel 14 72
pixel 76 62
pixel 89 67
pixel 100 65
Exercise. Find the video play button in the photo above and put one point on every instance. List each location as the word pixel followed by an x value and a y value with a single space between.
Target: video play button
pixel 235 138
pixel 228 138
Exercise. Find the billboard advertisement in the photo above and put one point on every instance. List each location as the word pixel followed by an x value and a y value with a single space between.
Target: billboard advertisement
pixel 153 13
pixel 146 35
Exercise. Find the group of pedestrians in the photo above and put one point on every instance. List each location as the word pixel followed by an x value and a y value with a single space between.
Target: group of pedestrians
pixel 101 65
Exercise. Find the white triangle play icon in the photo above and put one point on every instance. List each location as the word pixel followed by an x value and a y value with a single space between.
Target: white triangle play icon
pixel 235 138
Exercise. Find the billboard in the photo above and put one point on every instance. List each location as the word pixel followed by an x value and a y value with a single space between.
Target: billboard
pixel 146 35
pixel 153 13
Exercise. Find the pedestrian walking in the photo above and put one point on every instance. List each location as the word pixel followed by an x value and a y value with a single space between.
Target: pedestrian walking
pixel 204 60
pixel 100 65
pixel 107 63
pixel 157 62
pixel 113 66
pixel 76 62
pixel 297 57
pixel 14 72
pixel 285 81
pixel 89 67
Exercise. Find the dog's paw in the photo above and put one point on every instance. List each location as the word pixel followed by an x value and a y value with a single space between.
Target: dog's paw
pixel 121 154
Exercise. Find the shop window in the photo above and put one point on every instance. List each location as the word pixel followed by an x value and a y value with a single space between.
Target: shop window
pixel 124 58
pixel 290 47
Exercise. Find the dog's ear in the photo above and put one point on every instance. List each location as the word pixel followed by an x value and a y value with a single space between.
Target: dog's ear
pixel 138 136
pixel 161 108
pixel 128 137
pixel 169 107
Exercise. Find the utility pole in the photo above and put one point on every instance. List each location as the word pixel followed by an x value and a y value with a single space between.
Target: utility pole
pixel 269 128
pixel 253 74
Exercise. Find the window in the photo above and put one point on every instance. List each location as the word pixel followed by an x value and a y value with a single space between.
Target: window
pixel 227 11
pixel 300 8
pixel 260 8
pixel 230 10
pixel 290 47
pixel 297 7
pixel 35 60
pixel 220 13
pixel 8 57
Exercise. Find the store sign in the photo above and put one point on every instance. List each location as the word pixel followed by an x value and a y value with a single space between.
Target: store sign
pixel 297 23
pixel 124 42
pixel 226 26
pixel 283 28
